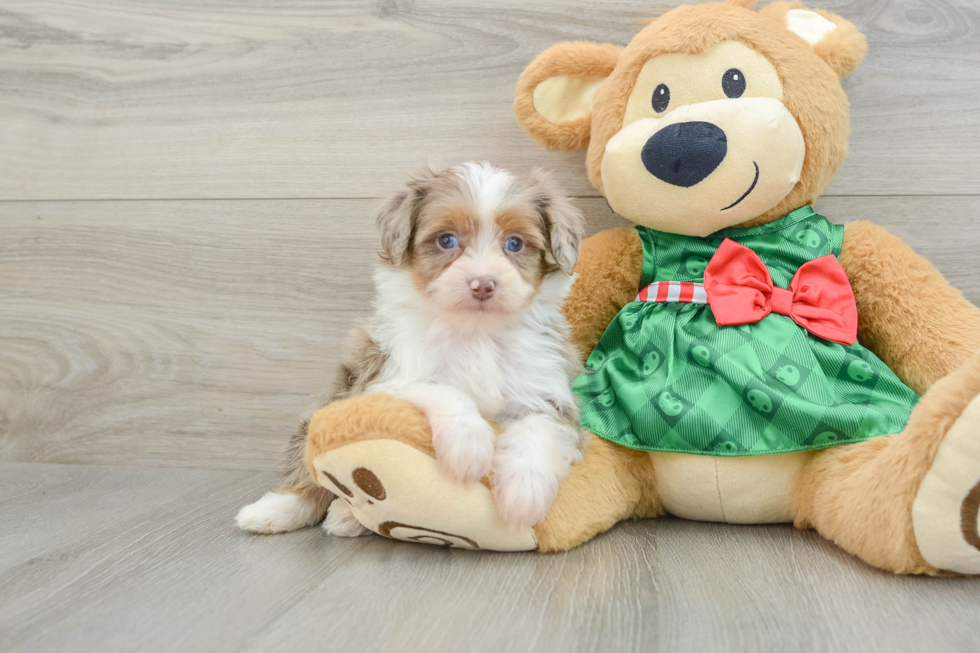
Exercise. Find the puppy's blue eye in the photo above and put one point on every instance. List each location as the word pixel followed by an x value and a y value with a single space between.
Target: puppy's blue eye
pixel 447 241
pixel 514 244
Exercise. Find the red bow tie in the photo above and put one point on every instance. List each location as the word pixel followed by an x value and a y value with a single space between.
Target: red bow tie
pixel 819 299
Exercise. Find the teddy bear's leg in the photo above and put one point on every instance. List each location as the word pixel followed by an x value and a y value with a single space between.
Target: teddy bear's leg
pixel 375 453
pixel 612 483
pixel 906 503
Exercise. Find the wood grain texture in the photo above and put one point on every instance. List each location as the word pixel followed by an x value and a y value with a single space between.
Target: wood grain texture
pixel 196 333
pixel 221 99
pixel 115 559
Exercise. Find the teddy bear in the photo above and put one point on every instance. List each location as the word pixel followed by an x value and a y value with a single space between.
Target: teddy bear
pixel 746 360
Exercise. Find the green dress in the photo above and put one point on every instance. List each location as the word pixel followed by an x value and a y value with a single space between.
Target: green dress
pixel 666 377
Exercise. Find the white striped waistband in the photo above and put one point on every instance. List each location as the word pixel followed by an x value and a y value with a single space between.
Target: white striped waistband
pixel 686 292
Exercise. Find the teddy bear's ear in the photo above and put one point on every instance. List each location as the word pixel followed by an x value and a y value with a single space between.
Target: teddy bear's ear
pixel 833 39
pixel 554 95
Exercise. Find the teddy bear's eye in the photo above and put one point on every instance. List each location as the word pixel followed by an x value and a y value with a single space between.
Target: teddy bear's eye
pixel 661 98
pixel 733 83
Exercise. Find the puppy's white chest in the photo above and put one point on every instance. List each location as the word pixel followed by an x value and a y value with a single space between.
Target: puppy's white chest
pixel 477 367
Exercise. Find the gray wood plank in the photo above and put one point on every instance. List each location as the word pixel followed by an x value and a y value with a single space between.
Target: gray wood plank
pixel 196 333
pixel 115 559
pixel 128 559
pixel 221 99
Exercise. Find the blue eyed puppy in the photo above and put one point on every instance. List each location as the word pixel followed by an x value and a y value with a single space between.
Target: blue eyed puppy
pixel 468 326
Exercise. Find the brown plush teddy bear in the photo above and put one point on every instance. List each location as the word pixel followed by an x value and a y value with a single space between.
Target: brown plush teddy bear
pixel 747 360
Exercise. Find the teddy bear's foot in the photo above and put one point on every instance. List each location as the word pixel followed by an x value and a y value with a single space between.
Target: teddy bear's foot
pixel 908 502
pixel 395 490
pixel 944 513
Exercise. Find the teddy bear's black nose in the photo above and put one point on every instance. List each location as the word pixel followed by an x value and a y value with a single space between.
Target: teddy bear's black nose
pixel 684 153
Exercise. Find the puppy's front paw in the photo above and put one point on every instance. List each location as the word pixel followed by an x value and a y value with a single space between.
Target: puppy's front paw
pixel 463 444
pixel 341 522
pixel 523 493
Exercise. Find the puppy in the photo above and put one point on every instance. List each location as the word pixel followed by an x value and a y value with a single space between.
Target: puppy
pixel 468 326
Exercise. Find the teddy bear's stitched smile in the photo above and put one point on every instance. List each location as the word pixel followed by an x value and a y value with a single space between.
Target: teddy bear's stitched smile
pixel 746 193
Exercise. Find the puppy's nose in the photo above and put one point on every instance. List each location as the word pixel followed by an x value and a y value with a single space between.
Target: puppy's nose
pixel 482 287
pixel 684 153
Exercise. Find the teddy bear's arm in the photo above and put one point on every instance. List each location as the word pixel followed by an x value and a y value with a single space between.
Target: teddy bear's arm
pixel 909 315
pixel 609 270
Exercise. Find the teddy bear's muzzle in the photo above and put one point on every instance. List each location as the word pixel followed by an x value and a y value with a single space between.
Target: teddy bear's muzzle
pixel 705 166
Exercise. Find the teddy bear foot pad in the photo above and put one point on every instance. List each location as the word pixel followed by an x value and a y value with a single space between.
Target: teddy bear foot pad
pixel 945 510
pixel 399 492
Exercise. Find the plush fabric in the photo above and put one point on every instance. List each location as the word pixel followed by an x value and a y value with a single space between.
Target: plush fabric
pixel 415 501
pixel 908 314
pixel 609 270
pixel 861 496
pixel 943 521
pixel 753 490
pixel 582 60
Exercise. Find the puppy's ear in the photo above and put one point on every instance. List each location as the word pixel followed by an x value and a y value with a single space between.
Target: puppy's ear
pixel 397 218
pixel 563 223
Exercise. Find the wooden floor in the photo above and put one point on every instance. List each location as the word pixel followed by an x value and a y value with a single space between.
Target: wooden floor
pixel 184 240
